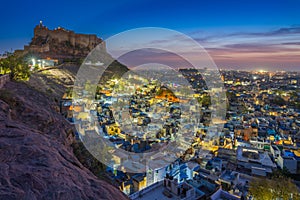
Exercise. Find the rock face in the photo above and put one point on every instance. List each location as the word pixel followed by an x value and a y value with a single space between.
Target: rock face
pixel 36 159
pixel 61 43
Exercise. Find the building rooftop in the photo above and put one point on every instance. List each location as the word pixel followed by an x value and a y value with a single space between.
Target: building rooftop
pixel 243 154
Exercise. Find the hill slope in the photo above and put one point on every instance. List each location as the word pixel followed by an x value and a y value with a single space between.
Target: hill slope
pixel 36 158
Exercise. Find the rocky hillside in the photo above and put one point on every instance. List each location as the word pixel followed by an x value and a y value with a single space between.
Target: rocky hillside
pixel 36 157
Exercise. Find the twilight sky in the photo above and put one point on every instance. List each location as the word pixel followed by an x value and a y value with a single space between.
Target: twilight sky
pixel 244 34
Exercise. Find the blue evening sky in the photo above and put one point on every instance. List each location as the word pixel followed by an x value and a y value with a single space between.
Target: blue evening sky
pixel 210 19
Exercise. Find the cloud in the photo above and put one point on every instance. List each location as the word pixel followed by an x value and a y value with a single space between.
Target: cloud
pixel 281 31
pixel 295 30
pixel 270 48
pixel 291 43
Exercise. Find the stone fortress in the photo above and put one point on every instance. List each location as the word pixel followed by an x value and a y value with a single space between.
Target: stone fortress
pixel 60 43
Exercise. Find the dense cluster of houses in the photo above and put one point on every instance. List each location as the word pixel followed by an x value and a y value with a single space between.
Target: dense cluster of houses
pixel 260 132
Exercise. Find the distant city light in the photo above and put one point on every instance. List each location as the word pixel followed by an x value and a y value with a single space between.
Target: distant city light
pixel 33 62
pixel 262 71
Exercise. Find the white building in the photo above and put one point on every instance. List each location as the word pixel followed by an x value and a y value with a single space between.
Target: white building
pixel 290 163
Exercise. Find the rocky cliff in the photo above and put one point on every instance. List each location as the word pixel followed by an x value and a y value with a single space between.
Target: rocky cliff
pixel 36 158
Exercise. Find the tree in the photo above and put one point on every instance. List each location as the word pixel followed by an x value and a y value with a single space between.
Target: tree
pixel 87 159
pixel 276 187
pixel 260 189
pixel 278 101
pixel 205 100
pixel 18 68
pixel 4 67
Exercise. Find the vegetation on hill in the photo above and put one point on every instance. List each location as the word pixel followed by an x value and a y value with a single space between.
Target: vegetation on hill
pixel 87 159
pixel 16 66
pixel 279 186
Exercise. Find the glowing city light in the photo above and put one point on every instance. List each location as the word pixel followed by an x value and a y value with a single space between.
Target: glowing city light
pixel 33 62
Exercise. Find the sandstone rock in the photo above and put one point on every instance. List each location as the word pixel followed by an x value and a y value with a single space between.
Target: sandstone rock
pixel 36 159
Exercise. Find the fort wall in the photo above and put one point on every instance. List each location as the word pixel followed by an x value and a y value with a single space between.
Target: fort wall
pixel 63 35
pixel 61 42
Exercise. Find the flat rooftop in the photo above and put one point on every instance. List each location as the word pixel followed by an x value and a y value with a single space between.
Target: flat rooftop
pixel 156 194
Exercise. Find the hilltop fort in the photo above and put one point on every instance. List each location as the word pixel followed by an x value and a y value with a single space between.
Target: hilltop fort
pixel 60 43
